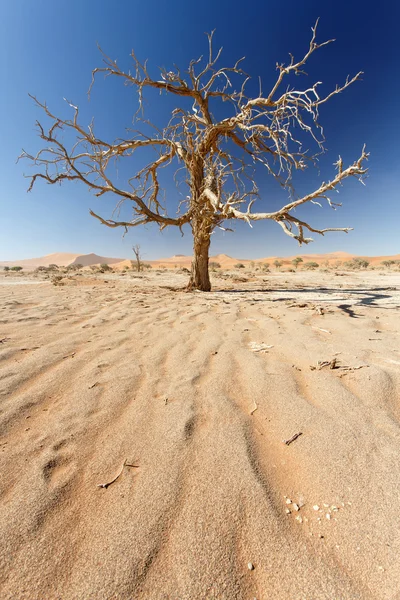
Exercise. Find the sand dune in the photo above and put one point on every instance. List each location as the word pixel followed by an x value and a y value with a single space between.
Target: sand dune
pixel 198 391
pixel 61 259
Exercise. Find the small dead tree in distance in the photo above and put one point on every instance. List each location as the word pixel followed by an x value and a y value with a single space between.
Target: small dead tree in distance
pixel 138 256
pixel 215 154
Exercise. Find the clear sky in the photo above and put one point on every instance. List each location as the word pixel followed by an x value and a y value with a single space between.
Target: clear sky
pixel 49 49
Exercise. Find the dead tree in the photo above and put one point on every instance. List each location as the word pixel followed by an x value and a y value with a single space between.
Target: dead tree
pixel 136 251
pixel 217 156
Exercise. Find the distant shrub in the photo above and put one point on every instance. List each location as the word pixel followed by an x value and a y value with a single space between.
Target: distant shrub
pixel 388 263
pixel 311 265
pixel 356 263
pixel 146 266
pixel 264 266
pixel 214 265
pixel 296 261
pixel 53 267
pixel 239 266
pixel 56 280
pixel 278 264
pixel 104 267
pixel 16 269
pixel 6 269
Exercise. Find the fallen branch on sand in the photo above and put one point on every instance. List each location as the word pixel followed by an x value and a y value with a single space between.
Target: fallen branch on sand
pixel 259 347
pixel 4 340
pixel 332 364
pixel 254 409
pixel 70 355
pixel 294 437
pixel 324 330
pixel 325 363
pixel 125 464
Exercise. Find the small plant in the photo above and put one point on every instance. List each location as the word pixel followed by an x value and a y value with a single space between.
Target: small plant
pixel 6 269
pixel 311 265
pixel 356 264
pixel 104 267
pixel 214 265
pixel 16 269
pixel 388 263
pixel 265 267
pixel 56 280
pixel 278 264
pixel 296 261
pixel 53 267
pixel 239 266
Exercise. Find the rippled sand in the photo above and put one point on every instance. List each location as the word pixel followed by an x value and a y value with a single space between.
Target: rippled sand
pixel 198 391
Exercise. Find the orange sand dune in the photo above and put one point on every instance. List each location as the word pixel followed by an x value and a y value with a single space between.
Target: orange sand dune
pixel 61 259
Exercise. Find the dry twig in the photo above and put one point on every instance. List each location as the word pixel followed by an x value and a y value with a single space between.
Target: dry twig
pixel 294 437
pixel 254 409
pixel 125 464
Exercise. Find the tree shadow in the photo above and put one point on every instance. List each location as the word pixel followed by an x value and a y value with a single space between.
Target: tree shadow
pixel 362 297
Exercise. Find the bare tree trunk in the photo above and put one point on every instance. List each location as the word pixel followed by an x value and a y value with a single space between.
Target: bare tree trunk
pixel 136 250
pixel 199 277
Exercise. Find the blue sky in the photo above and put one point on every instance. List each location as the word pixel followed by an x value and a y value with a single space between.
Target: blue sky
pixel 49 49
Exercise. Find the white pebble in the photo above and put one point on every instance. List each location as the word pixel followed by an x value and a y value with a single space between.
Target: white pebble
pixel 288 511
pixel 316 507
pixel 250 566
pixel 288 501
pixel 296 506
pixel 299 519
pixel 328 516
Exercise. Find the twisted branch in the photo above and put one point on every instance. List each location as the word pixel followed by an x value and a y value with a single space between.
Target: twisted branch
pixel 217 156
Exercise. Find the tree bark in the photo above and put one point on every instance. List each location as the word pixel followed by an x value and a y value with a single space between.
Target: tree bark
pixel 199 277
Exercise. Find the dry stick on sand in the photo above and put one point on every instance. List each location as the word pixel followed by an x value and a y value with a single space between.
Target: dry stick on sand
pixel 125 464
pixel 332 364
pixel 324 330
pixel 254 409
pixel 294 437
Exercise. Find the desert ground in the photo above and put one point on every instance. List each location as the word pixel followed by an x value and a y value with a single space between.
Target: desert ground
pixel 182 403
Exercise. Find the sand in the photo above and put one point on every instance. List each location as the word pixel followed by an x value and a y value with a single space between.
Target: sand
pixel 198 391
